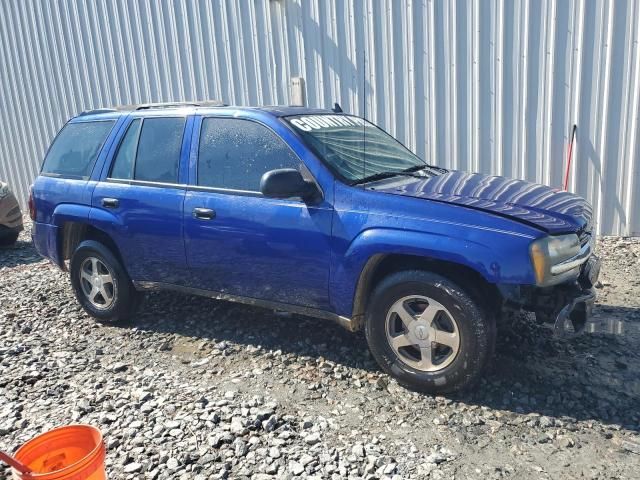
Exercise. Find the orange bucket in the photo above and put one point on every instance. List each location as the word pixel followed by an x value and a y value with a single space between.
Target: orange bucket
pixel 76 452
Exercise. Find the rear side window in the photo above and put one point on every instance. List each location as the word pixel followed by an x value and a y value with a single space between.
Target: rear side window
pixel 234 154
pixel 150 150
pixel 76 148
pixel 159 150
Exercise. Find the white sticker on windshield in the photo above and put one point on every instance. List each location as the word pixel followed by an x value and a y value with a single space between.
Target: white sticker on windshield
pixel 308 123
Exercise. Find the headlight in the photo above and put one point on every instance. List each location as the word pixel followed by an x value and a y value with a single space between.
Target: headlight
pixel 4 190
pixel 548 252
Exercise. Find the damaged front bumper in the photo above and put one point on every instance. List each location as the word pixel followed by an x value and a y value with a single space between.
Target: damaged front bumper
pixel 574 315
pixel 566 306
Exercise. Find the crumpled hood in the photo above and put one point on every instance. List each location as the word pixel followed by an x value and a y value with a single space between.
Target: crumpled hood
pixel 551 210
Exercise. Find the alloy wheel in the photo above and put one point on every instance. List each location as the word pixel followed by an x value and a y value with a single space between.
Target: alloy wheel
pixel 97 283
pixel 422 333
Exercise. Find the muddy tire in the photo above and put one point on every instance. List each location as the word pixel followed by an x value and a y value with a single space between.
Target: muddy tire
pixel 428 333
pixel 101 284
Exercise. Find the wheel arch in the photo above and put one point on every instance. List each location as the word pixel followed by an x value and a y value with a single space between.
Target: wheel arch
pixel 72 233
pixel 472 261
pixel 379 266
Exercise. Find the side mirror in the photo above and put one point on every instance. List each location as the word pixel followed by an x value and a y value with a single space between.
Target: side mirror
pixel 286 183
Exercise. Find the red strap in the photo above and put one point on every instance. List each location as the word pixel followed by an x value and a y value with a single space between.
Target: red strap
pixel 569 154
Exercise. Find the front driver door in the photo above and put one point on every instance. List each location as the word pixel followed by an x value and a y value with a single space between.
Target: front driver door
pixel 241 243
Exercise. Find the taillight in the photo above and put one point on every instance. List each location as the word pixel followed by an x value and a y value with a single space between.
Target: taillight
pixel 32 205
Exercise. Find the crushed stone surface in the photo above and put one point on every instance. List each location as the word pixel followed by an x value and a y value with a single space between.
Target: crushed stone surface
pixel 195 388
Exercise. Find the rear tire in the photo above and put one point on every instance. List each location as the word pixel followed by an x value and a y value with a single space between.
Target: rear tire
pixel 8 240
pixel 428 333
pixel 101 284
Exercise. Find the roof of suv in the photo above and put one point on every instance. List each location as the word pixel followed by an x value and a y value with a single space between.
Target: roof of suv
pixel 276 110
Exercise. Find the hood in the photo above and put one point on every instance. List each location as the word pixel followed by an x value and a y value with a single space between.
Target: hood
pixel 546 208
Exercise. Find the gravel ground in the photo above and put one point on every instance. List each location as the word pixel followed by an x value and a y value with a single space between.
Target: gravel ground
pixel 200 389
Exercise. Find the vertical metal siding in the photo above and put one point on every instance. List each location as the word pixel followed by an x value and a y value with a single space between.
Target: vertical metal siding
pixel 484 86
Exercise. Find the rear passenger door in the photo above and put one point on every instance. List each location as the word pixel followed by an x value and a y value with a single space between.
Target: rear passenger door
pixel 241 243
pixel 139 200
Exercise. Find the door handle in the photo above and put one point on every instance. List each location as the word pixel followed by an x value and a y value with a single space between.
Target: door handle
pixel 204 213
pixel 110 202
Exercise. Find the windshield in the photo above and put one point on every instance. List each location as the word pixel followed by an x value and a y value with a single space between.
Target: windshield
pixel 355 149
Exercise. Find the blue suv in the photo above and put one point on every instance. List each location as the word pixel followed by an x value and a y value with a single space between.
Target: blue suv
pixel 314 212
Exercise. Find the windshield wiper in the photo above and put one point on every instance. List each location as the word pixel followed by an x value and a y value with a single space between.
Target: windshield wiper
pixel 407 172
pixel 383 175
pixel 417 168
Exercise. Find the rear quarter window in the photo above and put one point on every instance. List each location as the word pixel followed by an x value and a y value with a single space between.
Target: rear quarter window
pixel 76 148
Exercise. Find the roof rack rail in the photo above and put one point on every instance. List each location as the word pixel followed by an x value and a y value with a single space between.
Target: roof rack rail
pixel 97 110
pixel 149 106
pixel 204 103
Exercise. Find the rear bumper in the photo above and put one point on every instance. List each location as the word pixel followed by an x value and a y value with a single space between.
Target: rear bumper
pixel 45 239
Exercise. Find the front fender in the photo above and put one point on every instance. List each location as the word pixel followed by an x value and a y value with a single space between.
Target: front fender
pixel 498 257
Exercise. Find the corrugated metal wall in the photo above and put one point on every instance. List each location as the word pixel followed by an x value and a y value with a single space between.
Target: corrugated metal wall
pixel 490 86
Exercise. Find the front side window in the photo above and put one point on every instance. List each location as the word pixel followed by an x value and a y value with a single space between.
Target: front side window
pixel 76 148
pixel 235 153
pixel 355 149
pixel 158 152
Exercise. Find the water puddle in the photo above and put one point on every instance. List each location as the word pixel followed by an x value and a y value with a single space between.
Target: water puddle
pixel 614 320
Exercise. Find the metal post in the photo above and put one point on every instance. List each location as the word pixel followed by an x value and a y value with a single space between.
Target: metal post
pixel 298 97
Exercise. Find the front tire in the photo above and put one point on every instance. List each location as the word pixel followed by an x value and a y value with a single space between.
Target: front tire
pixel 101 284
pixel 428 333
